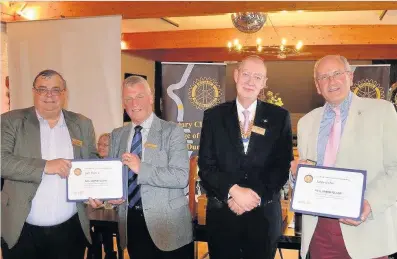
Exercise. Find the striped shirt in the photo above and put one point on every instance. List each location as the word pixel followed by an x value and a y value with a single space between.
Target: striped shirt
pixel 325 129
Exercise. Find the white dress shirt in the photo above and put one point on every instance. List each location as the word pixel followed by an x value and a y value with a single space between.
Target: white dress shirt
pixel 241 118
pixel 144 131
pixel 49 205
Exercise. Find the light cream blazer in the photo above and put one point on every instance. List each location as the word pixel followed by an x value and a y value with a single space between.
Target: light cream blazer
pixel 369 142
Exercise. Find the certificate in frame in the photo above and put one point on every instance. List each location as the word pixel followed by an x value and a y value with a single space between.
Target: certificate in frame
pixel 102 179
pixel 329 191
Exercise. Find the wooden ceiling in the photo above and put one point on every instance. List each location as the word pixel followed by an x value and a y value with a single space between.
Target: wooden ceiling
pixel 353 41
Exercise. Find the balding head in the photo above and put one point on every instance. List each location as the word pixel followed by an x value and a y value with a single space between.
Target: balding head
pixel 250 78
pixel 333 78
pixel 253 58
pixel 336 58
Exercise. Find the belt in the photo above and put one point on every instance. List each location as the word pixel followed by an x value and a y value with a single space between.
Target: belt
pixel 137 207
pixel 65 224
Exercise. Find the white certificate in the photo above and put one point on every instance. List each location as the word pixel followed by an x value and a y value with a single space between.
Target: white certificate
pixel 329 192
pixel 99 179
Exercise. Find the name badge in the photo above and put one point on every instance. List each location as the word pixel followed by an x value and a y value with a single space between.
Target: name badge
pixel 77 142
pixel 259 130
pixel 150 145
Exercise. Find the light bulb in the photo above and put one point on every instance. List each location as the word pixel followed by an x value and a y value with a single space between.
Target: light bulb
pixel 299 45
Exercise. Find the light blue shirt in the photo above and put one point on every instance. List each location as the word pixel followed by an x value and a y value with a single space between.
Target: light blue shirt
pixel 326 126
pixel 49 205
pixel 325 129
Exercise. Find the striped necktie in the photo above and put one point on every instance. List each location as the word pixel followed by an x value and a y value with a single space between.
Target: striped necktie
pixel 134 194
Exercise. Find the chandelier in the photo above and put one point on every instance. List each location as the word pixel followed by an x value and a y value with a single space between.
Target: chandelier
pixel 251 22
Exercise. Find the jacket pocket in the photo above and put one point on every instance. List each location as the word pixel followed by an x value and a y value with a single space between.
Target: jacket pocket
pixel 178 202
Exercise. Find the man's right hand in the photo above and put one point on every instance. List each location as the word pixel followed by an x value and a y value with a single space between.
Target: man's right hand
pixel 58 166
pixel 295 163
pixel 246 198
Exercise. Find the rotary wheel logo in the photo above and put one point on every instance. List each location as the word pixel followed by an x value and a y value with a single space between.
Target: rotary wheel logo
pixel 205 93
pixel 393 95
pixel 368 88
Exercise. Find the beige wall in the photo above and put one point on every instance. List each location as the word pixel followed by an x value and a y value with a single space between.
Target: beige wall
pixel 4 69
pixel 136 65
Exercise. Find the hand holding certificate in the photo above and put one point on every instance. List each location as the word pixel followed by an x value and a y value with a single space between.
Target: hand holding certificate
pixel 329 192
pixel 99 179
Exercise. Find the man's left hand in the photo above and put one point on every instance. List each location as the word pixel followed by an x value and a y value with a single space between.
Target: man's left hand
pixel 364 215
pixel 233 206
pixel 132 161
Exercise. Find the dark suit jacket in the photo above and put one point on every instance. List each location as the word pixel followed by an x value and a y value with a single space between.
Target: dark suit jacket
pixel 22 166
pixel 223 163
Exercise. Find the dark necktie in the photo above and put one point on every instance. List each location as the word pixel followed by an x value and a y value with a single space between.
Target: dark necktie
pixel 134 194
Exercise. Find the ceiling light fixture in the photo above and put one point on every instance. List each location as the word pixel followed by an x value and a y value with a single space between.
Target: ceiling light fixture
pixel 253 22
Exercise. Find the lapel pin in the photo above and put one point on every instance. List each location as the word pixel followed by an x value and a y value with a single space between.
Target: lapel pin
pixel 77 142
pixel 265 121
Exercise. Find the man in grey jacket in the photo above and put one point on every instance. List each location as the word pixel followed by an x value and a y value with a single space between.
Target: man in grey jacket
pixel 37 144
pixel 155 217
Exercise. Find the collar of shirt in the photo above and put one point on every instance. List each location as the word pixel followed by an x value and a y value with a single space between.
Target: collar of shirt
pixel 61 122
pixel 251 109
pixel 344 108
pixel 145 125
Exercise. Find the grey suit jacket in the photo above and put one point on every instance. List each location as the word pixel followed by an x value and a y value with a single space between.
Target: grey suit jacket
pixel 22 166
pixel 163 175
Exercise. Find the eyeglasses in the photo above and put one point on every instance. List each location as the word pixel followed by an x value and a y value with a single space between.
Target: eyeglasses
pixel 257 77
pixel 336 75
pixel 56 91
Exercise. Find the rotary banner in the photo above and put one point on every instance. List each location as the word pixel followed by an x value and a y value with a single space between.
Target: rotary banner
pixel 188 90
pixel 371 81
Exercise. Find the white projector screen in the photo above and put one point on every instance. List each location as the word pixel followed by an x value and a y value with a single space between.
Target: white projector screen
pixel 86 51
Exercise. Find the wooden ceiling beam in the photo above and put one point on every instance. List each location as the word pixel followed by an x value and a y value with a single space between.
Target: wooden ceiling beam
pixel 310 35
pixel 158 9
pixel 351 52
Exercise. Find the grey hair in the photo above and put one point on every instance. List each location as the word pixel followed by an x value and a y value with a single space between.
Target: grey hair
pixel 49 73
pixel 341 58
pixel 131 81
pixel 255 57
pixel 105 135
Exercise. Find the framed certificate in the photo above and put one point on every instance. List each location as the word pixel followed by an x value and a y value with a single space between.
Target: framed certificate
pixel 96 178
pixel 329 192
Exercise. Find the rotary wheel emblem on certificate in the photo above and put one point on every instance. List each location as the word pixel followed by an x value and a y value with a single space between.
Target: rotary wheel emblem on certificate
pixel 205 93
pixel 368 88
